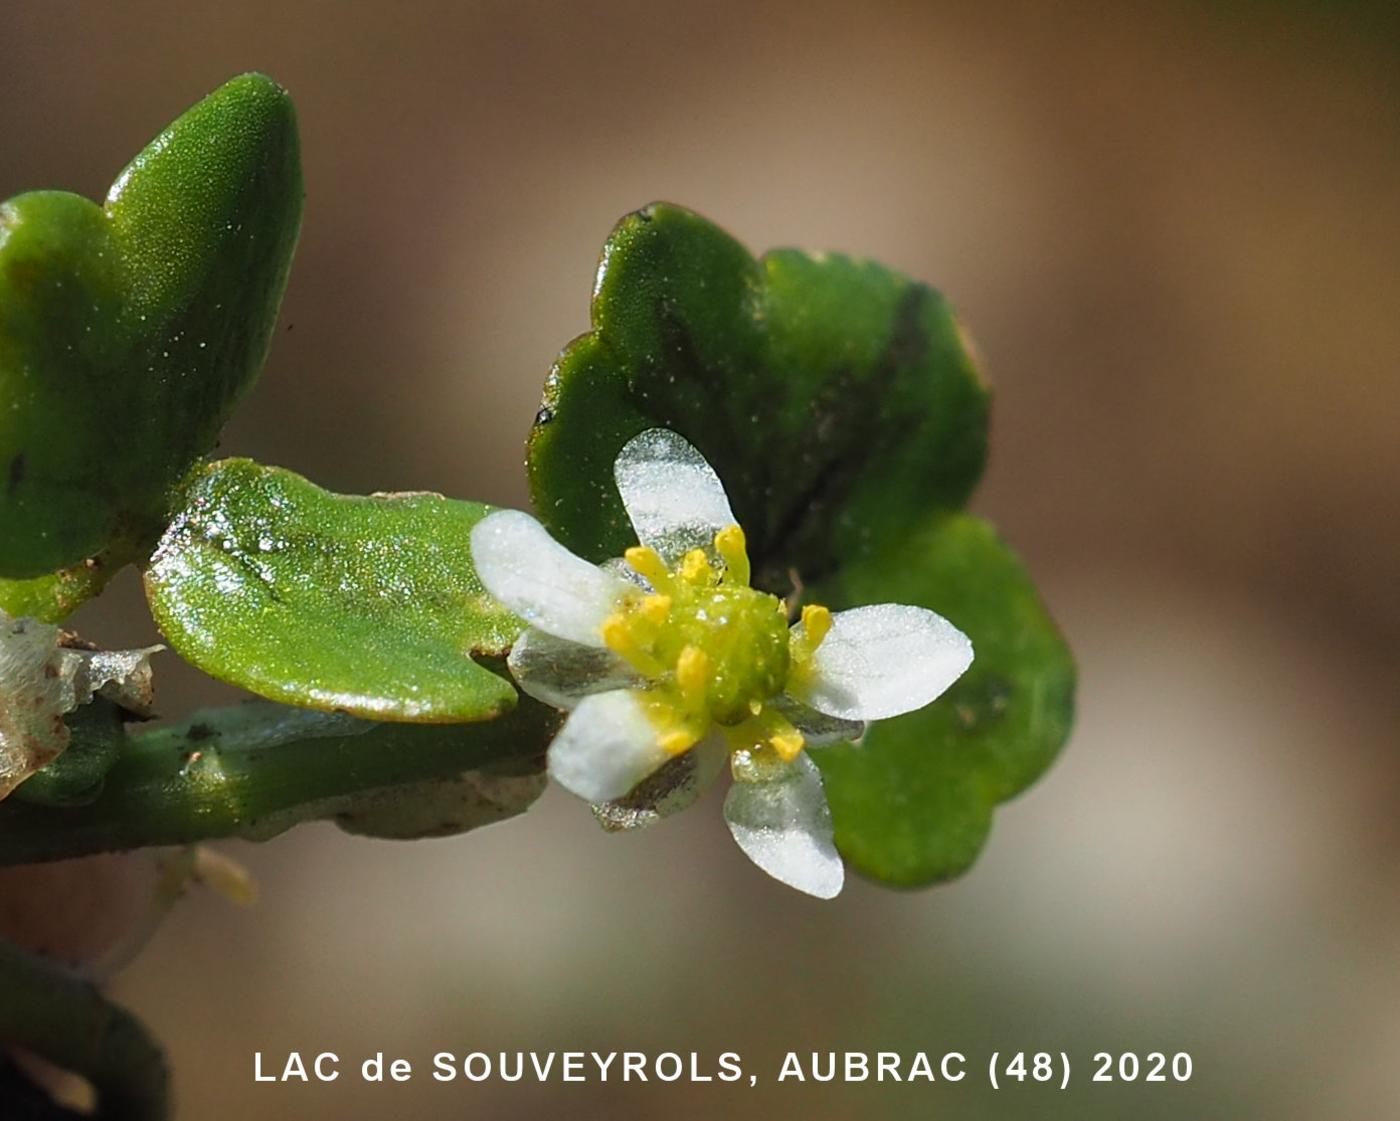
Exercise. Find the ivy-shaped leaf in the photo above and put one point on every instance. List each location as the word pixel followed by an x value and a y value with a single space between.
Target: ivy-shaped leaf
pixel 836 398
pixel 128 331
pixel 362 605
pixel 913 802
pixel 840 405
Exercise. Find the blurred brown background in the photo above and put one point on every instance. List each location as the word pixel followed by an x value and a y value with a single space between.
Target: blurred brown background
pixel 1174 230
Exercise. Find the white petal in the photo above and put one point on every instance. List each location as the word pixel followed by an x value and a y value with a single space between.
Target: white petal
pixel 561 673
pixel 619 567
pixel 884 660
pixel 817 728
pixel 541 581
pixel 674 786
pixel 673 497
pixel 606 747
pixel 783 824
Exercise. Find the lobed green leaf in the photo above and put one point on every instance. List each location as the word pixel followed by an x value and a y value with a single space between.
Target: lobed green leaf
pixel 130 330
pixel 837 399
pixel 369 606
pixel 841 406
pixel 913 802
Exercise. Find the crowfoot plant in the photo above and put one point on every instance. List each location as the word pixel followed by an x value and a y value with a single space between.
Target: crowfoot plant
pixel 422 663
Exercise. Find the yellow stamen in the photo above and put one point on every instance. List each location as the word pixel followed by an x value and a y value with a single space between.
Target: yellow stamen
pixel 224 875
pixel 696 567
pixel 732 546
pixel 622 640
pixel 647 562
pixel 693 675
pixel 676 731
pixel 654 609
pixel 816 624
pixel 713 649
pixel 677 740
pixel 765 732
pixel 788 744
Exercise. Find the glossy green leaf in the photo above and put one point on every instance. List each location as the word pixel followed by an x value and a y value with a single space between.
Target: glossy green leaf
pixel 128 331
pixel 841 407
pixel 913 802
pixel 363 605
pixel 836 398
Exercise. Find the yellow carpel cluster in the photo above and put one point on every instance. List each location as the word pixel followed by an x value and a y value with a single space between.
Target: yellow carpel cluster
pixel 713 650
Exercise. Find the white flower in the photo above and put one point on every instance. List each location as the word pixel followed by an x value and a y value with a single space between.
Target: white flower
pixel 670 663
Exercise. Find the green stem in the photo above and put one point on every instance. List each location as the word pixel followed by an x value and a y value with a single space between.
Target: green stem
pixel 64 1019
pixel 254 770
pixel 53 597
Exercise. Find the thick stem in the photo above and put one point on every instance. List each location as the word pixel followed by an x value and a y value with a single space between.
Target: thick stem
pixel 64 1019
pixel 254 770
pixel 249 771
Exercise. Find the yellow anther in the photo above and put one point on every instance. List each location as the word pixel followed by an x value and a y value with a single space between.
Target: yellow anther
pixel 654 609
pixel 224 875
pixel 816 624
pixel 693 675
pixel 765 734
pixel 696 567
pixel 779 734
pixel 676 732
pixel 647 562
pixel 622 641
pixel 787 744
pixel 731 545
pixel 755 707
pixel 677 741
